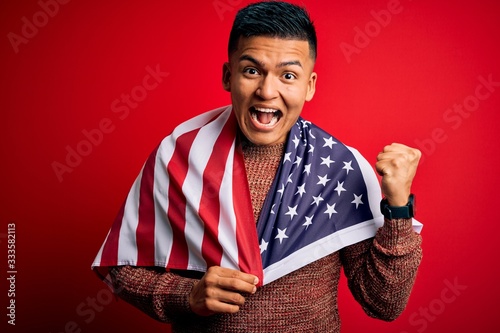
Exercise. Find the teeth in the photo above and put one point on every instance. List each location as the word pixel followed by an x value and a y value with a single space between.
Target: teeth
pixel 266 110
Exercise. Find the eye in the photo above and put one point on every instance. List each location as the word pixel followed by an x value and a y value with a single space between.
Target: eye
pixel 251 71
pixel 289 76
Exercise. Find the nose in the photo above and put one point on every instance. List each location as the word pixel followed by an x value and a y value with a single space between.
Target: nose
pixel 268 88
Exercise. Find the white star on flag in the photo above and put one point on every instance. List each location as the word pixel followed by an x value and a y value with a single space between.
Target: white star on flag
pixel 311 149
pixel 287 157
pixel 329 142
pixel 340 188
pixel 330 209
pixel 282 189
pixel 323 180
pixel 292 211
pixel 347 166
pixel 357 200
pixel 263 245
pixel 308 221
pixel 326 161
pixel 298 159
pixel 317 200
pixel 296 141
pixel 301 189
pixel 307 169
pixel 281 235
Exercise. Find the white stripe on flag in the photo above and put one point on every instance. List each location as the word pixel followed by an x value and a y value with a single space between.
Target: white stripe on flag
pixel 227 226
pixel 163 229
pixel 192 188
pixel 127 246
pixel 195 122
pixel 319 249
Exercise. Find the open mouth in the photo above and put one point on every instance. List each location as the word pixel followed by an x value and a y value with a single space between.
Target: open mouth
pixel 265 116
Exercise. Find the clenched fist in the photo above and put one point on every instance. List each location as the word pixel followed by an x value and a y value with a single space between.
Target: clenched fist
pixel 397 164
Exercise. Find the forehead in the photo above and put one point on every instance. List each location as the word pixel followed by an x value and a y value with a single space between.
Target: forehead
pixel 273 49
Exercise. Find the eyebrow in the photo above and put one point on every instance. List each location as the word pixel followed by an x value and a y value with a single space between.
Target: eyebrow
pixel 261 64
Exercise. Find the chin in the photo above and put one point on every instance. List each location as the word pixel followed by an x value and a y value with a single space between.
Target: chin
pixel 263 141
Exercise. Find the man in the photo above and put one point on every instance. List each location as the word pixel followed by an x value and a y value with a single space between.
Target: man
pixel 242 218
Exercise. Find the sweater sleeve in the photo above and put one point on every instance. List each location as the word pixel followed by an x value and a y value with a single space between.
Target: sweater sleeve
pixel 161 295
pixel 381 271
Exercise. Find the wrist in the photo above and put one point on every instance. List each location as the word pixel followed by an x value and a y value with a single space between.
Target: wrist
pixel 397 198
pixel 397 202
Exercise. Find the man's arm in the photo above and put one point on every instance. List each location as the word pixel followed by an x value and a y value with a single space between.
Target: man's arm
pixel 161 295
pixel 165 296
pixel 381 271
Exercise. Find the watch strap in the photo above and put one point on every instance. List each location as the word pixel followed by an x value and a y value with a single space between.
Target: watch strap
pixel 398 212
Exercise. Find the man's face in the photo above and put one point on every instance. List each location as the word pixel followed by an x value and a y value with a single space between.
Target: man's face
pixel 269 80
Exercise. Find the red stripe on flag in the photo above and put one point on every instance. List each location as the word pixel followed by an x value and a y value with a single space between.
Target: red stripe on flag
pixel 210 202
pixel 177 170
pixel 109 255
pixel 145 232
pixel 249 257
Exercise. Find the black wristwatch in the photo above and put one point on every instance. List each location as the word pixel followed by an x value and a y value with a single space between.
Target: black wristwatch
pixel 398 212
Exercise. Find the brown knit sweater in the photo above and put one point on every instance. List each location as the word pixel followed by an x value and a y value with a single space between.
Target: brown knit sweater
pixel 380 272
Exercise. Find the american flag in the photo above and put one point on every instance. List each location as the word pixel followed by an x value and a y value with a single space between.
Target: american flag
pixel 190 206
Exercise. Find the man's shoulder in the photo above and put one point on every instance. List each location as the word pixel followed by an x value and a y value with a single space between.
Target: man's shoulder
pixel 317 135
pixel 200 120
pixel 317 132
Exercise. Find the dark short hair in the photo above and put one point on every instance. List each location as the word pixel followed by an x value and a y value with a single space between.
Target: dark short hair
pixel 274 19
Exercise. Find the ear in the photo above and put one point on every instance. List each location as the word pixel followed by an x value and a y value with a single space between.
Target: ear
pixel 311 86
pixel 226 76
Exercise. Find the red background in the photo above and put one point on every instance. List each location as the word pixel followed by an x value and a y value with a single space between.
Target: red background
pixel 398 87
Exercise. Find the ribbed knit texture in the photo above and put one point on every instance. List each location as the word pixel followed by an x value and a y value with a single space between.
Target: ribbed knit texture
pixel 380 273
pixel 261 164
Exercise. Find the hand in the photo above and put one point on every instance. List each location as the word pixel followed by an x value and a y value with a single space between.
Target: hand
pixel 219 291
pixel 397 164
